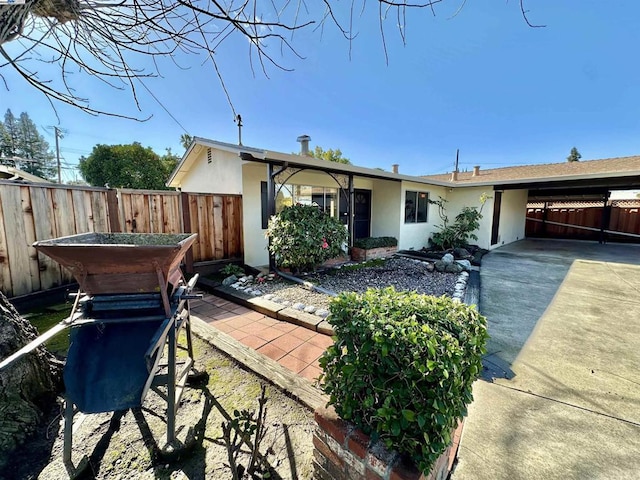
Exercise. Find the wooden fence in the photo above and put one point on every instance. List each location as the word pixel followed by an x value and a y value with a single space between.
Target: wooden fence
pixel 30 212
pixel 619 221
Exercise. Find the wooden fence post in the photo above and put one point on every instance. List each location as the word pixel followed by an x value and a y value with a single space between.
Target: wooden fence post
pixel 186 228
pixel 113 210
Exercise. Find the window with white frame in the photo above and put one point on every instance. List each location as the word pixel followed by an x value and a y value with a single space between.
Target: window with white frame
pixel 416 207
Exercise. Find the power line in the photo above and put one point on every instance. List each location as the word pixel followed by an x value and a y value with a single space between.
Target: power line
pixel 163 107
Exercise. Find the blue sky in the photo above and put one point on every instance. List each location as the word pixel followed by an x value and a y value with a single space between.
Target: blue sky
pixel 483 82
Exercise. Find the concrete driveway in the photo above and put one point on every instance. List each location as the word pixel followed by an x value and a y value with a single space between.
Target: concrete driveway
pixel 561 393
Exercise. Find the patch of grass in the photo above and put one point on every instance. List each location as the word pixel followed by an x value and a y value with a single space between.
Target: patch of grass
pixel 45 319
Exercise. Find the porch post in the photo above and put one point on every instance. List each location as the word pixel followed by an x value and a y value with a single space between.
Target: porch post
pixel 271 207
pixel 545 213
pixel 351 210
pixel 606 217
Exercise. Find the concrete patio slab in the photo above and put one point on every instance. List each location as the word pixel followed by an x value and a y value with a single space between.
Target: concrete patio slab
pixel 569 406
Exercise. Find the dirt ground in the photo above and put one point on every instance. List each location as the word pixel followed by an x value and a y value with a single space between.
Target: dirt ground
pixel 129 444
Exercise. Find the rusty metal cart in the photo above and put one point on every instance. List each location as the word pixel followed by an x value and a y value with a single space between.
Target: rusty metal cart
pixel 131 306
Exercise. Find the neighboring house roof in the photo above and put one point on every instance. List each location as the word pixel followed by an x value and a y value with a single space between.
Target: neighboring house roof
pixel 606 168
pixel 291 160
pixel 17 175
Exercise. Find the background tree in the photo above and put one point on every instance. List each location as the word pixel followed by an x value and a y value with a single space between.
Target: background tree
pixel 113 41
pixel 330 155
pixel 23 147
pixel 126 166
pixel 574 156
pixel 185 140
pixel 169 162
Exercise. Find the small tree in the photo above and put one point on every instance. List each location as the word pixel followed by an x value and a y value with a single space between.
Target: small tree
pixel 302 237
pixel 574 156
pixel 461 230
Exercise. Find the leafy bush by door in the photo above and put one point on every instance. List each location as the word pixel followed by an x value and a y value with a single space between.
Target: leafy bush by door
pixel 302 237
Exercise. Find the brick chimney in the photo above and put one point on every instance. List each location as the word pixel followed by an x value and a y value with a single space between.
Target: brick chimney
pixel 454 176
pixel 304 144
pixel 476 171
pixel 394 168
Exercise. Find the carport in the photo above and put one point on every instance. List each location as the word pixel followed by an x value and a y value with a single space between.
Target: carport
pixel 570 200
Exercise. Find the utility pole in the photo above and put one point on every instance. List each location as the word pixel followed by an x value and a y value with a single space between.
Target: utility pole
pixel 57 132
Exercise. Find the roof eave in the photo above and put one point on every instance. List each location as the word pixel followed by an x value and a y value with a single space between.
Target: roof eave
pixel 557 178
pixel 280 159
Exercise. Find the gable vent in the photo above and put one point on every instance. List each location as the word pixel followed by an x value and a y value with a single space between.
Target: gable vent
pixel 209 156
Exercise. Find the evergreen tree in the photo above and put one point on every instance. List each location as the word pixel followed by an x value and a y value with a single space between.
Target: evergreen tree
pixel 574 156
pixel 22 146
pixel 8 139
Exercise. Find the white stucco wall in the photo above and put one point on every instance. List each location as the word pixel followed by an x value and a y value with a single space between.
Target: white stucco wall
pixel 416 235
pixel 255 243
pixel 513 211
pixel 223 175
pixel 385 215
pixel 470 197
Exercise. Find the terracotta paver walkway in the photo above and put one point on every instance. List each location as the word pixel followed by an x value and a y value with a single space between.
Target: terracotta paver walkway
pixel 296 348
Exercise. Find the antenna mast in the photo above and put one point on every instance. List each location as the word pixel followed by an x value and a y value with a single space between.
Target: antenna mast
pixel 238 120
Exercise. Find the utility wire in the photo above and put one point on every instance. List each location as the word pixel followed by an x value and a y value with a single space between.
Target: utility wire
pixel 163 107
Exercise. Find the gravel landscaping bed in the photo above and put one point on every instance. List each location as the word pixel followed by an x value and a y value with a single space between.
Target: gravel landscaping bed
pixel 401 273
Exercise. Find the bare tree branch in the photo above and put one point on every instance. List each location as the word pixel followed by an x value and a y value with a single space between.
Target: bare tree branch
pixel 108 40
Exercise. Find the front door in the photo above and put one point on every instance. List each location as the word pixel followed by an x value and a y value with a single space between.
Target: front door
pixel 495 227
pixel 362 217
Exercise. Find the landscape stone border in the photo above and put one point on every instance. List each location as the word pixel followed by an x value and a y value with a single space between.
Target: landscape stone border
pixel 245 288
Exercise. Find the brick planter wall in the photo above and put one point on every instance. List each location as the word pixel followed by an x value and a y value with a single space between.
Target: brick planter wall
pixel 342 452
pixel 360 254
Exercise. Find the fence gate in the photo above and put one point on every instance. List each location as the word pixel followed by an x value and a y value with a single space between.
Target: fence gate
pixel 617 221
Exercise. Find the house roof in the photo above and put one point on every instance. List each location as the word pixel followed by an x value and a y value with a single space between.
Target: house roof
pixel 291 160
pixel 612 172
pixel 17 175
pixel 606 168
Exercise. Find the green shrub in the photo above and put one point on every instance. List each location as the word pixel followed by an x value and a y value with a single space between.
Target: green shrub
pixel 402 367
pixel 461 231
pixel 302 237
pixel 232 269
pixel 375 242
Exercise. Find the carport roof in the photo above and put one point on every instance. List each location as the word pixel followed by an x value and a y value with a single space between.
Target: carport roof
pixel 609 168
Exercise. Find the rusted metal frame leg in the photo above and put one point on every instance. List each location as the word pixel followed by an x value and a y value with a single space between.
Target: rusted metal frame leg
pixel 68 431
pixel 171 384
pixel 187 325
pixel 163 290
